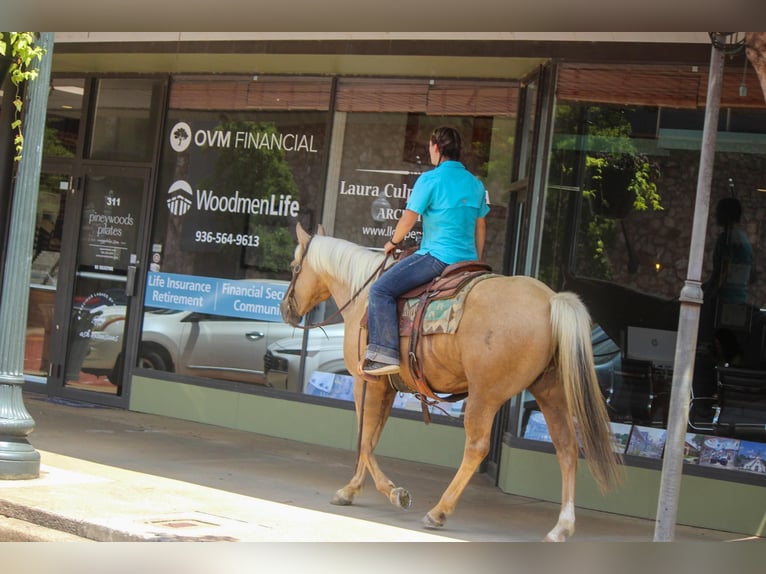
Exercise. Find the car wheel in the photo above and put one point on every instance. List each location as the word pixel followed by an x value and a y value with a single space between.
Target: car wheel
pixel 156 358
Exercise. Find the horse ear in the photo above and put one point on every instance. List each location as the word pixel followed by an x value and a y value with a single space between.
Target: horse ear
pixel 303 237
pixel 320 229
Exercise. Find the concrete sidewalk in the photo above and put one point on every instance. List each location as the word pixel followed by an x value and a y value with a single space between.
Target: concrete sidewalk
pixel 114 475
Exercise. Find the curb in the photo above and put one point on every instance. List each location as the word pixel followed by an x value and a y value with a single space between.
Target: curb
pixel 15 530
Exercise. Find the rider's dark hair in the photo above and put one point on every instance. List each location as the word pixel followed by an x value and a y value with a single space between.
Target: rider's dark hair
pixel 448 141
pixel 728 211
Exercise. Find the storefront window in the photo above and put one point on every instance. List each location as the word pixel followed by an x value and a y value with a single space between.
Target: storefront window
pixel 232 187
pixel 233 184
pixel 626 254
pixel 383 155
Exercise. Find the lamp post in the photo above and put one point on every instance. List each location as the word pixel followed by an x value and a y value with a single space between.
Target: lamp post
pixel 18 458
pixel 691 302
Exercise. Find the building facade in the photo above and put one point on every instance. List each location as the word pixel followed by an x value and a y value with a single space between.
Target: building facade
pixel 177 166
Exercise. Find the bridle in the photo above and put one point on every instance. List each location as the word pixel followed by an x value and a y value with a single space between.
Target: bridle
pixel 290 293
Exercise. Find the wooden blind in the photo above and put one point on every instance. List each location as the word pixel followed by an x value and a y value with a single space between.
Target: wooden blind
pixel 473 100
pixel 673 87
pixel 246 93
pixel 437 98
pixel 629 86
pixel 208 95
pixel 361 95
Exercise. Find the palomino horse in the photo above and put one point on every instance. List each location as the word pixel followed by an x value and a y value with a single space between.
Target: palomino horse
pixel 515 334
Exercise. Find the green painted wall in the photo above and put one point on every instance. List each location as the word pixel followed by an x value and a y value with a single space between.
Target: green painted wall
pixel 311 423
pixel 703 502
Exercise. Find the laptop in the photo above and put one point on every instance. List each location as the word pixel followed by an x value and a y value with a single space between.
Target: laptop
pixel 657 346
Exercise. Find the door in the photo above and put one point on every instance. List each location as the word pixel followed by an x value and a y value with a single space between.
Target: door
pixel 523 228
pixel 98 299
pixel 52 200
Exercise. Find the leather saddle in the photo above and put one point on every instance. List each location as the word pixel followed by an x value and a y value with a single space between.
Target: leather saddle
pixel 447 285
pixel 451 280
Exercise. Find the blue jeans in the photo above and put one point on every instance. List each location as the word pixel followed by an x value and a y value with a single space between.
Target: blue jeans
pixel 383 319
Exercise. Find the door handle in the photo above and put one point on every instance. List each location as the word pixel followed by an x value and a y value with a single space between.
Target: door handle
pixel 130 282
pixel 130 279
pixel 254 335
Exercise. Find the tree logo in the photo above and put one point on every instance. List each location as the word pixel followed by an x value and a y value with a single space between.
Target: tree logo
pixel 180 196
pixel 180 136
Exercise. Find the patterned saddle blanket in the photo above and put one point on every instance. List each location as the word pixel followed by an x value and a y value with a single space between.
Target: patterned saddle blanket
pixel 437 306
pixel 443 310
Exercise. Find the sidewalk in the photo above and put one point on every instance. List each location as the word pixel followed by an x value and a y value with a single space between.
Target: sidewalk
pixel 114 475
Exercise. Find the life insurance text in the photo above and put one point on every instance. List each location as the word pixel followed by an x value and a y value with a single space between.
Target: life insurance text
pixel 221 238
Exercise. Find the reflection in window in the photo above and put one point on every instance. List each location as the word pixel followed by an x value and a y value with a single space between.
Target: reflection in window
pixel 62 120
pixel 629 265
pixel 383 155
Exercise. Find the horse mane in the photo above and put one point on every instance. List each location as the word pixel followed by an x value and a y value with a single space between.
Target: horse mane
pixel 343 259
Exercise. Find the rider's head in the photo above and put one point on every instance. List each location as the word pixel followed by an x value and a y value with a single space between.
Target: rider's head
pixel 728 211
pixel 448 141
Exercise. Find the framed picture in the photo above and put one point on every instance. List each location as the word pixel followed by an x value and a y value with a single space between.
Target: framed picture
pixel 719 451
pixel 693 446
pixel 751 457
pixel 646 441
pixel 621 434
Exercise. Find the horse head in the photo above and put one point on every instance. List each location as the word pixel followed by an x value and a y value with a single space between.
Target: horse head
pixel 307 288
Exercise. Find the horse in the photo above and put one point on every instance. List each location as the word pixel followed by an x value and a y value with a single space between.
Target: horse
pixel 515 334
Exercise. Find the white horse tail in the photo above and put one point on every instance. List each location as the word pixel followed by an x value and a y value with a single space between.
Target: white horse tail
pixel 571 326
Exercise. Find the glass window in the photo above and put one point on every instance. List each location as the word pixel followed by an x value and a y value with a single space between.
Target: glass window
pixel 682 119
pixel 232 187
pixel 746 121
pixel 623 246
pixel 383 155
pixel 62 121
pixel 51 201
pixel 124 120
pixel 234 182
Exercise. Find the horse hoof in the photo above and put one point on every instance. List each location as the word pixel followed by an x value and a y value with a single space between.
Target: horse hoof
pixel 401 498
pixel 341 500
pixel 430 522
pixel 557 535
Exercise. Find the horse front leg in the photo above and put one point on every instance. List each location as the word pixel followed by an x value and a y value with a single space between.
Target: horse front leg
pixel 478 428
pixel 373 405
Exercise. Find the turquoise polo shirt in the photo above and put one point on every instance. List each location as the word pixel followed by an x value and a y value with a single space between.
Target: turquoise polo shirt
pixel 449 199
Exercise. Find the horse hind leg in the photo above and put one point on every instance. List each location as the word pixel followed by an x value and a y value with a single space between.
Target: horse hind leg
pixel 477 423
pixel 552 402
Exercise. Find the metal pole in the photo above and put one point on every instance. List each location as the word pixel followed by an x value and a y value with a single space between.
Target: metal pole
pixel 18 459
pixel 688 321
